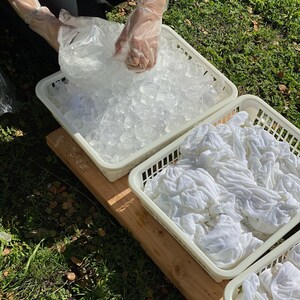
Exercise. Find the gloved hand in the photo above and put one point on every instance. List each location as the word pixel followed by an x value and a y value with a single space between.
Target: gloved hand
pixel 139 40
pixel 39 18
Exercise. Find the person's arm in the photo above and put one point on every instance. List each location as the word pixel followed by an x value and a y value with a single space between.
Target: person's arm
pixel 139 40
pixel 39 18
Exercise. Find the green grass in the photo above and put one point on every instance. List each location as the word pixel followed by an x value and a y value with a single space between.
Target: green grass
pixel 53 219
pixel 58 228
pixel 254 43
pixel 256 61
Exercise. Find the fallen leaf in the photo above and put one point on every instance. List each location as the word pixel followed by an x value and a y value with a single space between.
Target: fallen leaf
pixel 61 247
pixel 101 232
pixel 6 251
pixel 188 22
pixel 280 74
pixel 76 261
pixel 255 25
pixel 19 133
pixel 71 276
pixel 203 30
pixel 282 88
pixel 9 296
pixel 250 10
pixel 296 46
pixel 67 204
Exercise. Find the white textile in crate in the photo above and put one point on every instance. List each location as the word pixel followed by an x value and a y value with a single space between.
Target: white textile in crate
pixel 274 276
pixel 232 188
pixel 281 282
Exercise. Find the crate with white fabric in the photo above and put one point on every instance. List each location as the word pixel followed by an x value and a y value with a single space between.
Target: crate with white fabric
pixel 228 189
pixel 275 276
pixel 119 117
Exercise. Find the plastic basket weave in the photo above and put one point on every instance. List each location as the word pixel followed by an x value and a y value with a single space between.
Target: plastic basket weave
pixel 114 171
pixel 260 114
pixel 278 255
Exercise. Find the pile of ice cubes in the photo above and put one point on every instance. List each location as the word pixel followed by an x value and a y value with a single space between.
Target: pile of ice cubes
pixel 119 112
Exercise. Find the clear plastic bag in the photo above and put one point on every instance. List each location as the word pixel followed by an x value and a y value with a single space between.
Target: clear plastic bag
pixel 7 94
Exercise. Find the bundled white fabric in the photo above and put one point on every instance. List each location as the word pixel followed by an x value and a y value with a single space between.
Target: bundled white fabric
pixel 294 256
pixel 185 197
pixel 233 186
pixel 204 211
pixel 282 282
pixel 277 282
pixel 252 289
pixel 226 244
pixel 249 163
pixel 265 210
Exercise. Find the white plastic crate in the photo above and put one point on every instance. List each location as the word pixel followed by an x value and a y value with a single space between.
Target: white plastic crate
pixel 260 114
pixel 277 255
pixel 114 171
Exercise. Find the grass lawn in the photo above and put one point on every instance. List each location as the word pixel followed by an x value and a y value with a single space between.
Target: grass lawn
pixel 64 245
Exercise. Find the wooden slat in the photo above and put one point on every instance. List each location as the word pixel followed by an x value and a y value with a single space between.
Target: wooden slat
pixel 173 260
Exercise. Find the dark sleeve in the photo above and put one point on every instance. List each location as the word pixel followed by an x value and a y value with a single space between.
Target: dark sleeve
pixel 11 20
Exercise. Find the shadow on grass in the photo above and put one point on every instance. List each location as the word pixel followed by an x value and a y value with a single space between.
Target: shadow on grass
pixel 43 201
pixel 64 244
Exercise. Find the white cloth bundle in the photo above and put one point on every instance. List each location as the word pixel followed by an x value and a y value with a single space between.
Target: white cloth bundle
pixel 281 282
pixel 294 256
pixel 252 289
pixel 233 186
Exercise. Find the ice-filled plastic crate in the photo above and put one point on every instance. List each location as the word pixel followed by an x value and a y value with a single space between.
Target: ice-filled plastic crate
pixel 260 114
pixel 270 261
pixel 114 170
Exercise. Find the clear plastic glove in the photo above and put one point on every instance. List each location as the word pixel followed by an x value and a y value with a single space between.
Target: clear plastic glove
pixel 39 18
pixel 139 40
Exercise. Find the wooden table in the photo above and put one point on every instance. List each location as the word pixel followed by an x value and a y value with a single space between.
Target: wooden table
pixel 184 272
